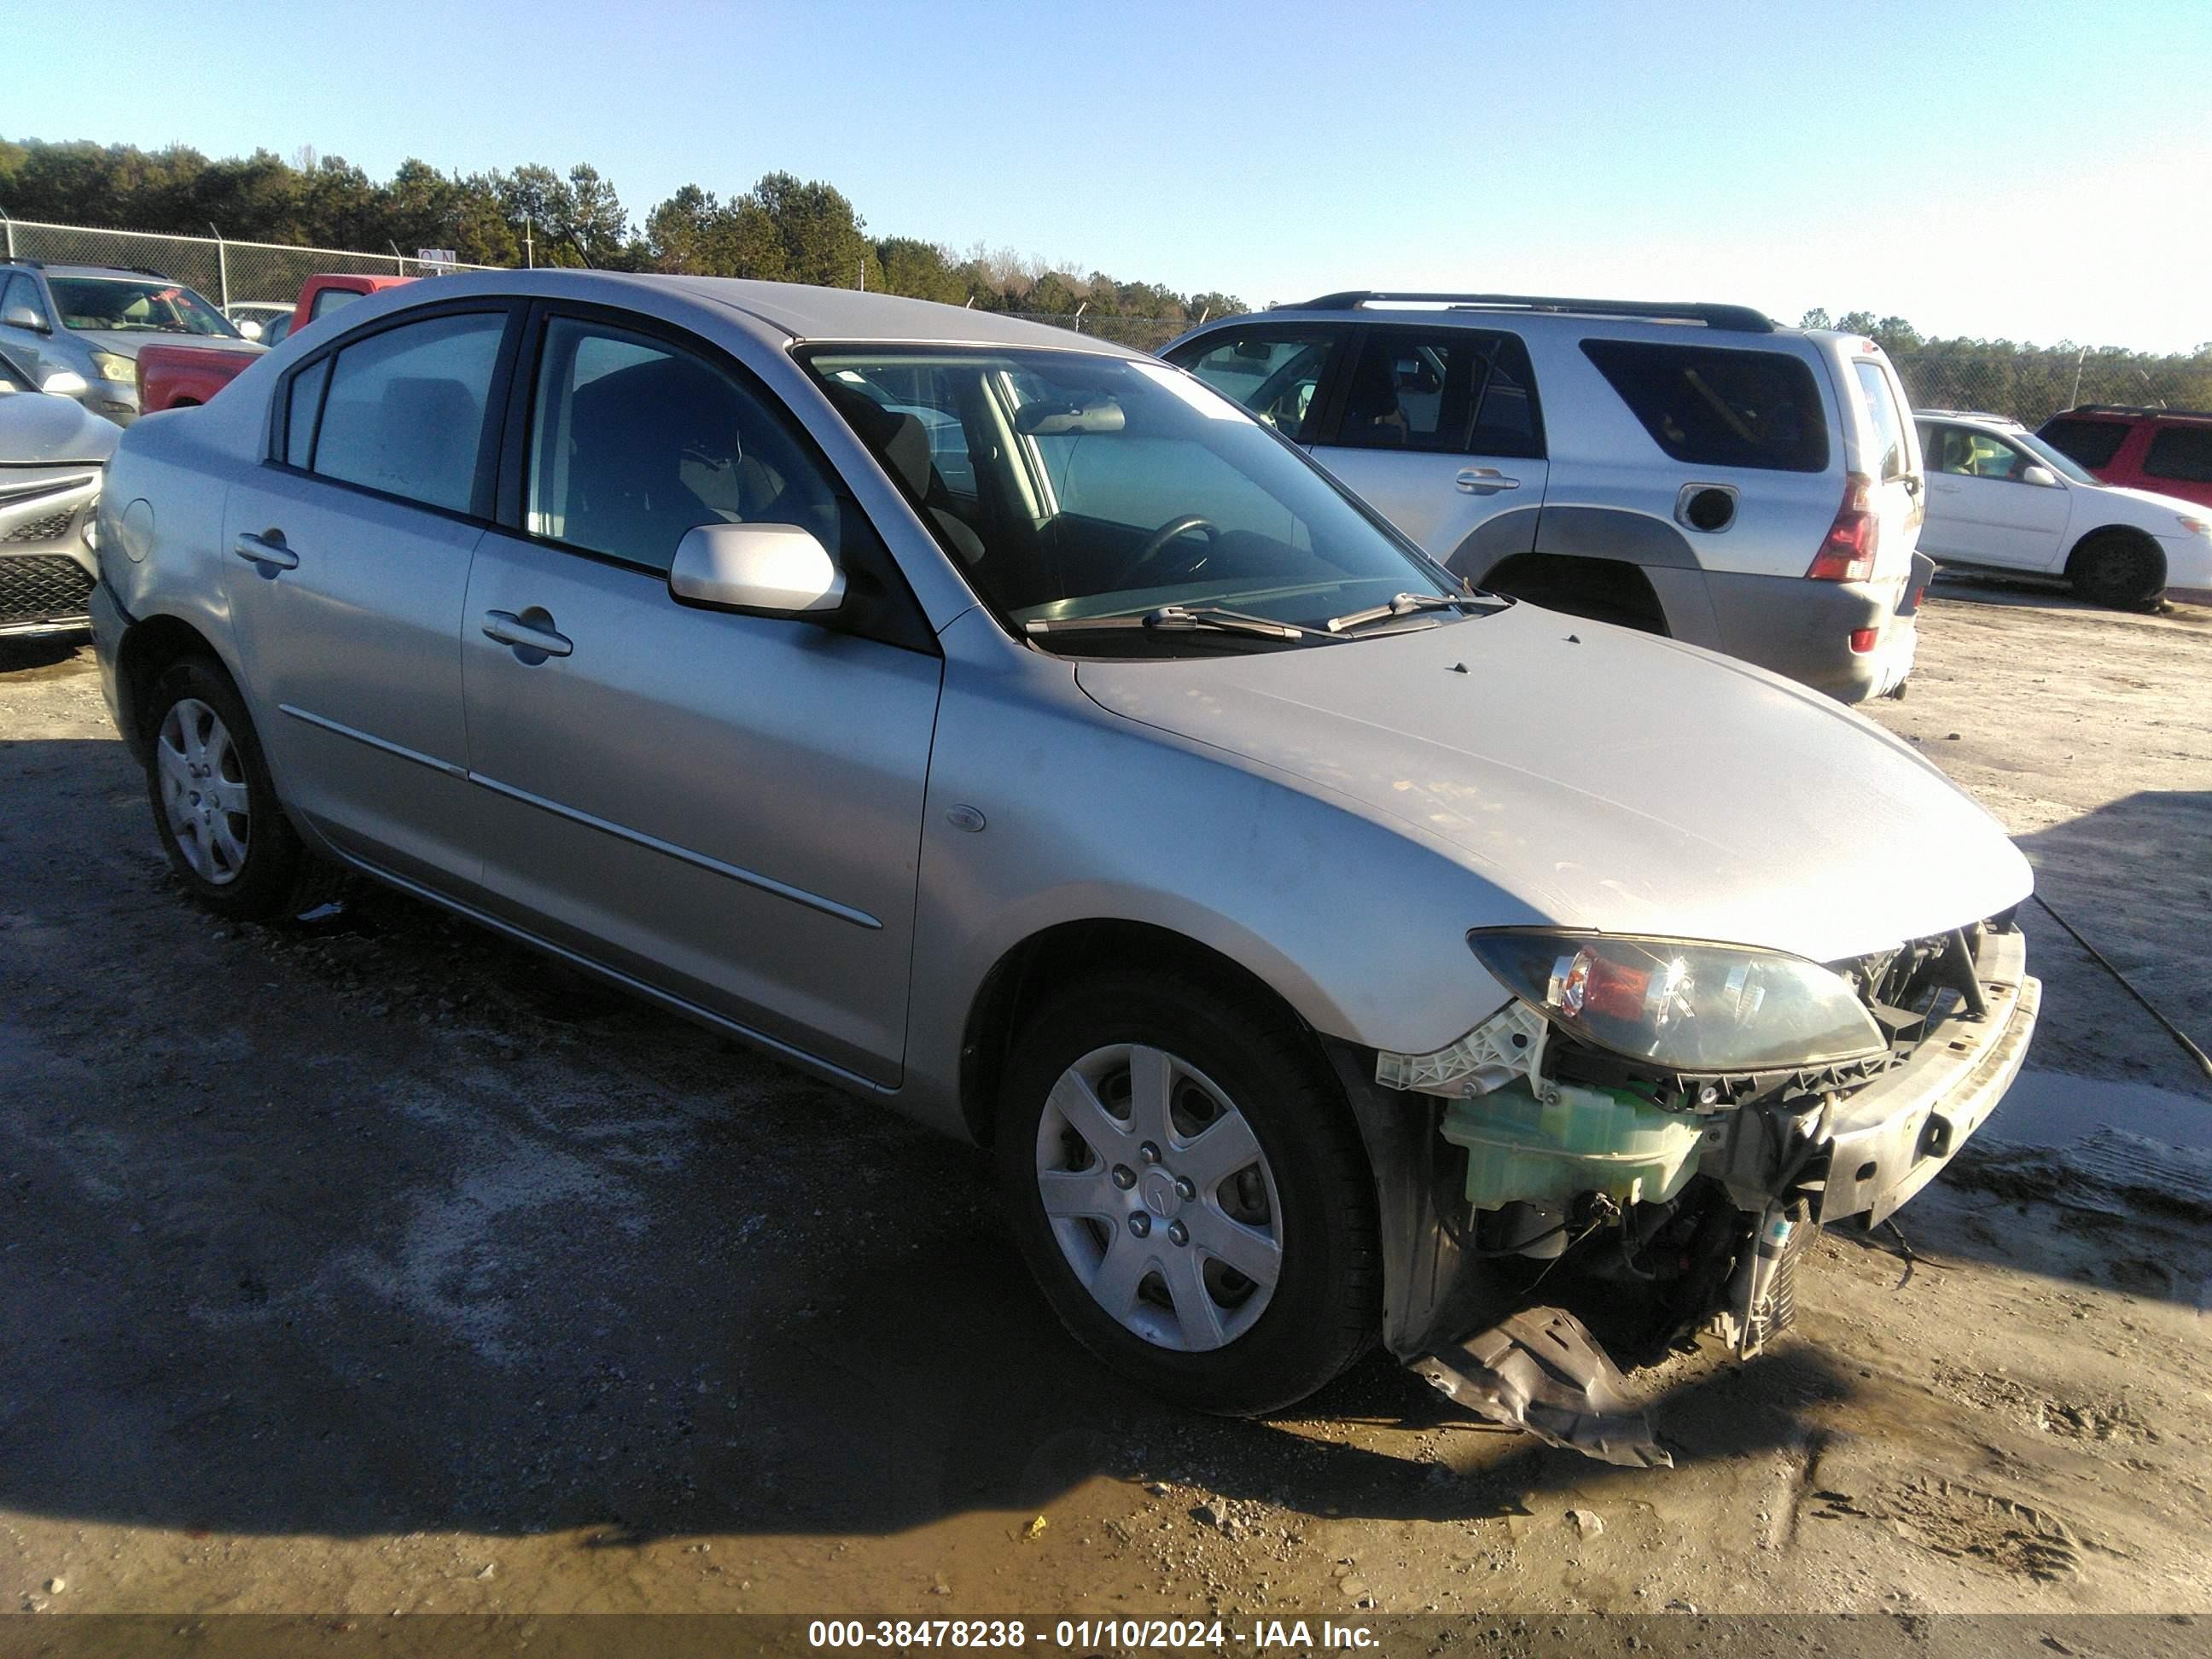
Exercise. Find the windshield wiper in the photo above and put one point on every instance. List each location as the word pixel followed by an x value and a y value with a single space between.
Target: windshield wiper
pixel 1178 617
pixel 1403 604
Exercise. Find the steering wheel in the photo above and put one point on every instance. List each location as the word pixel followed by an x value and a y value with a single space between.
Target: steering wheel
pixel 1157 543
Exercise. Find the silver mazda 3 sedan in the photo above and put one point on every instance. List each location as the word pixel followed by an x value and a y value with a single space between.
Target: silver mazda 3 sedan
pixel 1003 724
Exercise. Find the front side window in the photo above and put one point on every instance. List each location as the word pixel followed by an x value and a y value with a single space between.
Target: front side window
pixel 1458 391
pixel 1111 488
pixel 634 442
pixel 404 411
pixel 1961 453
pixel 2093 443
pixel 21 291
pixel 2181 452
pixel 136 305
pixel 1270 372
pixel 1712 406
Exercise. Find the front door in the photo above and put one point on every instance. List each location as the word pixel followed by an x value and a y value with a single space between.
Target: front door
pixel 1982 507
pixel 725 807
pixel 345 557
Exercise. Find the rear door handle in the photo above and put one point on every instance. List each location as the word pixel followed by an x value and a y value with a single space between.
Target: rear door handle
pixel 510 630
pixel 1484 481
pixel 1948 489
pixel 267 552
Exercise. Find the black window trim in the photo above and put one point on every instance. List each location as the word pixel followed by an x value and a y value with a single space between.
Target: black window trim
pixel 1340 390
pixel 482 490
pixel 912 631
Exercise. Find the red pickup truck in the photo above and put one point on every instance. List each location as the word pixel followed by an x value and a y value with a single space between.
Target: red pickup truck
pixel 178 376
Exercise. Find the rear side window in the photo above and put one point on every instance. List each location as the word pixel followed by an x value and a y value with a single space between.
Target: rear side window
pixel 2093 443
pixel 2181 452
pixel 329 300
pixel 1456 391
pixel 1712 407
pixel 303 401
pixel 404 413
pixel 1273 374
pixel 1888 425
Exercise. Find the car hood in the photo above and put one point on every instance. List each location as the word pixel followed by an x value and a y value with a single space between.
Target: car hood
pixel 37 428
pixel 1607 780
pixel 128 342
pixel 2156 512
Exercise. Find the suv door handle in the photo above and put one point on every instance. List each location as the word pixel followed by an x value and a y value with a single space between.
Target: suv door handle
pixel 268 553
pixel 510 630
pixel 1484 481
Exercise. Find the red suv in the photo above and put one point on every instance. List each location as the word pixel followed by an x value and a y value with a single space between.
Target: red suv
pixel 2166 451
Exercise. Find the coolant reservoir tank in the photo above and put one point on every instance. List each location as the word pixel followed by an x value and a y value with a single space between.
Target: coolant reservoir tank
pixel 1587 1140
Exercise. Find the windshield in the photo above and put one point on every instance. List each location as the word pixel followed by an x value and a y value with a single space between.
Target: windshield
pixel 1068 486
pixel 2057 459
pixel 136 305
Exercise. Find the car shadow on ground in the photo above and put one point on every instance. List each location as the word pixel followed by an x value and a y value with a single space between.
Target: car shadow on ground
pixel 379 1226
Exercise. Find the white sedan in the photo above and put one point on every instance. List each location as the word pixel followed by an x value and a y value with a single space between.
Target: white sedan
pixel 2000 497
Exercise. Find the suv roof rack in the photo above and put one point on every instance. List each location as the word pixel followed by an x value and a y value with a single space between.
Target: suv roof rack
pixel 1744 319
pixel 2137 409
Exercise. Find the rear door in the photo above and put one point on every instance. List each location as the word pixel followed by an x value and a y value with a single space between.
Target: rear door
pixel 1438 427
pixel 1981 507
pixel 725 807
pixel 346 563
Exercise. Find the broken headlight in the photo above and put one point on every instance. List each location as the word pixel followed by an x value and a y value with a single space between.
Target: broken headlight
pixel 1682 1005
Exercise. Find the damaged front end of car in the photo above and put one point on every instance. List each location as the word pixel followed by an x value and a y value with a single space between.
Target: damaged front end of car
pixel 1645 1138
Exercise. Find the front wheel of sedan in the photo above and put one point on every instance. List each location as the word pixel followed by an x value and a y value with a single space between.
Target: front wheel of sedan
pixel 215 807
pixel 1190 1191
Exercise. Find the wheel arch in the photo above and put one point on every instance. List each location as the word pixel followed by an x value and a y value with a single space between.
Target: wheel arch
pixel 148 646
pixel 2135 533
pixel 1583 585
pixel 1045 961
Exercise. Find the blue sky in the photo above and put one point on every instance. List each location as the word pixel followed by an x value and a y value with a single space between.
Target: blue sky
pixel 2031 171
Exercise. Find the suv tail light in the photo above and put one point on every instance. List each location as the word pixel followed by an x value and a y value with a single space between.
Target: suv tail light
pixel 1847 554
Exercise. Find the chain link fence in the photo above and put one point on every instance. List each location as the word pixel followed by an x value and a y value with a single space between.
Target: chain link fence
pixel 2031 385
pixel 228 272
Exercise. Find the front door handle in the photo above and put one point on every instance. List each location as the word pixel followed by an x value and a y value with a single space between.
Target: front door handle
pixel 1484 481
pixel 526 635
pixel 268 553
pixel 1948 489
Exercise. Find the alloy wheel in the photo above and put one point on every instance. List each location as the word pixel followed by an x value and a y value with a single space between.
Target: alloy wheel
pixel 203 791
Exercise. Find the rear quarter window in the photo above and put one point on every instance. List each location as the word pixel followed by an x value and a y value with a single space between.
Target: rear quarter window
pixel 2093 443
pixel 1710 406
pixel 2180 451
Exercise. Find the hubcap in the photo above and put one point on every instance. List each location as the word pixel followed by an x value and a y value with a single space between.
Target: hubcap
pixel 204 792
pixel 1159 1197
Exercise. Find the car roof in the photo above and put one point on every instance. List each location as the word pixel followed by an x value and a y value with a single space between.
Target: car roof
pixel 806 312
pixel 2132 412
pixel 124 271
pixel 1971 417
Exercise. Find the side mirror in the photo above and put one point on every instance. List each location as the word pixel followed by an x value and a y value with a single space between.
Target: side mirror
pixel 248 327
pixel 64 383
pixel 2040 475
pixel 24 317
pixel 776 568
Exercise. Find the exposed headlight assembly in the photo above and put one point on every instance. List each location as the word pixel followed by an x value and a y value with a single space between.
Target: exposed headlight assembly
pixel 1682 1005
pixel 114 365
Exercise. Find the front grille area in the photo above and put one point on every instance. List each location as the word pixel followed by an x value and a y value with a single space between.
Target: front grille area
pixel 51 528
pixel 42 588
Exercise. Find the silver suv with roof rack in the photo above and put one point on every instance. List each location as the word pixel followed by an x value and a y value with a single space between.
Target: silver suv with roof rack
pixel 1688 469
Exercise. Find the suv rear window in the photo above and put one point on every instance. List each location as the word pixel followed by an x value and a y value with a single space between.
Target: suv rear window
pixel 2180 451
pixel 1713 407
pixel 2093 443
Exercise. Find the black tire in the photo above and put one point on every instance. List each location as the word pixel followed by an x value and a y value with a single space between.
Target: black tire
pixel 2118 569
pixel 267 879
pixel 1325 1308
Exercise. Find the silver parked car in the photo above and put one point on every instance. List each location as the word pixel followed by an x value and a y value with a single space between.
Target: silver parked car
pixel 53 452
pixel 1696 471
pixel 90 321
pixel 1007 727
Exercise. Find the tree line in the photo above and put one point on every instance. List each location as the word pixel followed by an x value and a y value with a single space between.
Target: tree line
pixel 783 229
pixel 2029 382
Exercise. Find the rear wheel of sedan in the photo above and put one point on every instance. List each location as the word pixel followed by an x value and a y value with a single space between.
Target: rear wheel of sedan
pixel 2117 568
pixel 214 805
pixel 1190 1190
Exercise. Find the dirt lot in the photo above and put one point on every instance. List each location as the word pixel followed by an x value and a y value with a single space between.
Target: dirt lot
pixel 374 1267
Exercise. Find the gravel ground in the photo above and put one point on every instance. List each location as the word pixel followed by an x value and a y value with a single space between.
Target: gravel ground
pixel 376 1266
